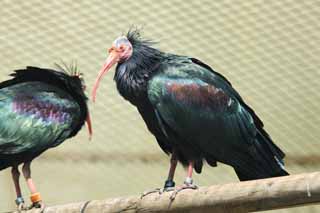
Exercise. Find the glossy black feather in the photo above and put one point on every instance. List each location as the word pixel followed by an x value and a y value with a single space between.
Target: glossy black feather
pixel 195 112
pixel 49 105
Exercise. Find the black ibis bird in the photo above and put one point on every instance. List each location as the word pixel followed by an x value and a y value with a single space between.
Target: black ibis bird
pixel 193 111
pixel 39 109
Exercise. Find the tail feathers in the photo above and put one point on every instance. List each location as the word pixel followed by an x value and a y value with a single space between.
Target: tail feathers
pixel 264 161
pixel 265 140
pixel 282 172
pixel 243 176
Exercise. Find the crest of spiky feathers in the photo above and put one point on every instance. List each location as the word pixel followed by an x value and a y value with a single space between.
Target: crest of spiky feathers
pixel 134 36
pixel 71 69
pixel 67 78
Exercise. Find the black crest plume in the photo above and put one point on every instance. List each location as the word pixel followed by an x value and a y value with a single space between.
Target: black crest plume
pixel 71 69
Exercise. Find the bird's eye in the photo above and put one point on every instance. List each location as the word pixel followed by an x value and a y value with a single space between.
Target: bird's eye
pixel 111 49
pixel 121 48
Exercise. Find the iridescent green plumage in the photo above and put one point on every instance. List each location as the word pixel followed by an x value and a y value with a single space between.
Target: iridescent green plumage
pixel 39 109
pixel 205 118
pixel 194 112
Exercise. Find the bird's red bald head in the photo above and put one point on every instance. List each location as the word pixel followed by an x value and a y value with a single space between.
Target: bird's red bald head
pixel 120 51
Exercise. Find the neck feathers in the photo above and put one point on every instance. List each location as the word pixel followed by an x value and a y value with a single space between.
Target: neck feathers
pixel 132 75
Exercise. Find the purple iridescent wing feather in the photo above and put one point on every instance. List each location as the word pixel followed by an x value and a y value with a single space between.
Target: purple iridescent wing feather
pixel 34 116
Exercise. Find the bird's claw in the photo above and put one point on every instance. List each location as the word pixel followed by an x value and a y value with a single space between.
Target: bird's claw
pixel 157 190
pixel 166 189
pixel 37 205
pixel 150 192
pixel 185 185
pixel 20 204
pixel 21 207
pixel 168 186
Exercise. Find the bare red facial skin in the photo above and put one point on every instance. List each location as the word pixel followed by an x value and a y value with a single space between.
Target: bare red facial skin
pixel 117 53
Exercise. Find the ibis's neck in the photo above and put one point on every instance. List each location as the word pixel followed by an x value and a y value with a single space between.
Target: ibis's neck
pixel 132 75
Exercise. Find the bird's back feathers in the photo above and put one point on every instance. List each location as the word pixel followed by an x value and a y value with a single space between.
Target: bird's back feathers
pixel 38 110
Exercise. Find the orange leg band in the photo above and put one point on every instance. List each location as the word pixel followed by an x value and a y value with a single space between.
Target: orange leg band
pixel 35 197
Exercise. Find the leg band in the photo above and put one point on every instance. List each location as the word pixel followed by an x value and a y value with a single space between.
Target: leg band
pixel 169 183
pixel 19 200
pixel 188 180
pixel 35 198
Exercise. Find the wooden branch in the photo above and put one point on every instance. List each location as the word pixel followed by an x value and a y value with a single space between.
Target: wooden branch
pixel 267 194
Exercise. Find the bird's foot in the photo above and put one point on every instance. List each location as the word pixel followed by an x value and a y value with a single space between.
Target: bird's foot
pixel 168 186
pixel 37 202
pixel 188 184
pixel 157 190
pixel 20 204
pixel 21 207
pixel 37 205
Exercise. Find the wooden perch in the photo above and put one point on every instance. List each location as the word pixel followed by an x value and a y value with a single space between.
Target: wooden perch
pixel 259 195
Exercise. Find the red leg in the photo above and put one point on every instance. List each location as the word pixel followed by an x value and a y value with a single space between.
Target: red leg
pixel 189 173
pixel 15 176
pixel 35 195
pixel 173 165
pixel 169 184
pixel 188 183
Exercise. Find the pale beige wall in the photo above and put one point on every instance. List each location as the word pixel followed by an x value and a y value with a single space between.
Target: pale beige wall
pixel 269 50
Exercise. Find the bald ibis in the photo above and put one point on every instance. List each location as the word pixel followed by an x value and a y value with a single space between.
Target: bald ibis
pixel 39 109
pixel 193 111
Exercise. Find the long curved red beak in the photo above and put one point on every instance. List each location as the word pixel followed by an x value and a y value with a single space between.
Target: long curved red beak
pixel 112 59
pixel 88 120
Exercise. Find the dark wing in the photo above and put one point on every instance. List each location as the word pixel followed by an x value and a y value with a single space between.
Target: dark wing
pixel 257 121
pixel 208 115
pixel 34 116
